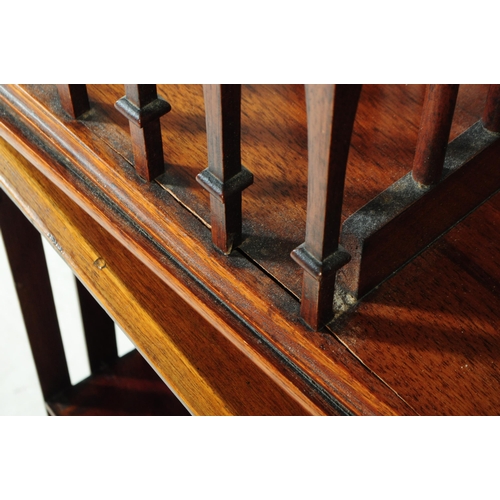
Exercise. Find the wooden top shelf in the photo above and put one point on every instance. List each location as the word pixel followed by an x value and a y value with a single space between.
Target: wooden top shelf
pixel 424 342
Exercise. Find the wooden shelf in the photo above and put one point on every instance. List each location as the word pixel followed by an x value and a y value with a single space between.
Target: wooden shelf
pixel 128 387
pixel 224 331
pixel 432 331
pixel 274 149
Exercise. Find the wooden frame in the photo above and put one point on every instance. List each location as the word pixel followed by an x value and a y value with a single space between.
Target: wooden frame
pixel 224 332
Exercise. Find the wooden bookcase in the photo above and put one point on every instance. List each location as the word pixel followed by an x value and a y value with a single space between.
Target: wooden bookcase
pixel 178 208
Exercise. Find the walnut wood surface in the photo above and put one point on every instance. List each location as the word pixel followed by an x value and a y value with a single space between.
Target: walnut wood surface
pixel 491 114
pixel 274 149
pixel 388 351
pixel 433 330
pixel 74 99
pixel 128 387
pixel 31 277
pixel 434 133
pixel 401 221
pixel 224 178
pixel 330 116
pixel 262 322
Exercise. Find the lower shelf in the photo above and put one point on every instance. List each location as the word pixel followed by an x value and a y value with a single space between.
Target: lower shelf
pixel 129 387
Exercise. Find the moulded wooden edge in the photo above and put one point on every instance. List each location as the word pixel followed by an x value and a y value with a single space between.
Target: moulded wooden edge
pixel 210 375
pixel 254 324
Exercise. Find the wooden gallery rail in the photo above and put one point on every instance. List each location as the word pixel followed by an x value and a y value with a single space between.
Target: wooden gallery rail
pixel 355 184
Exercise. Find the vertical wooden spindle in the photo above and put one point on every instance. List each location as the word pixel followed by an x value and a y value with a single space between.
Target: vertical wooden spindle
pixel 331 110
pixel 143 109
pixel 29 271
pixel 99 331
pixel 491 115
pixel 225 178
pixel 435 126
pixel 74 99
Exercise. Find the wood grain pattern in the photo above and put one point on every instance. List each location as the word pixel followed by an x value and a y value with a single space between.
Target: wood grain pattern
pixel 423 342
pixel 143 108
pixel 432 331
pixel 274 148
pixel 401 221
pixel 262 322
pixel 197 362
pixel 435 126
pixel 330 116
pixel 34 291
pixel 491 114
pixel 224 178
pixel 74 99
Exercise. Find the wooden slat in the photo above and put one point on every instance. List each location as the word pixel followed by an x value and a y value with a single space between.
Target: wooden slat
pixel 274 148
pixel 99 331
pixel 74 99
pixel 165 226
pixel 225 178
pixel 330 117
pixel 29 270
pixel 143 108
pixel 491 115
pixel 435 126
pixel 401 221
pixel 384 338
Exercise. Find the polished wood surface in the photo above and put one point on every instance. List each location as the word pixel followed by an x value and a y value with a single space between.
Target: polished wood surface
pixel 434 133
pixel 143 108
pixel 432 332
pixel 400 351
pixel 330 117
pixel 224 178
